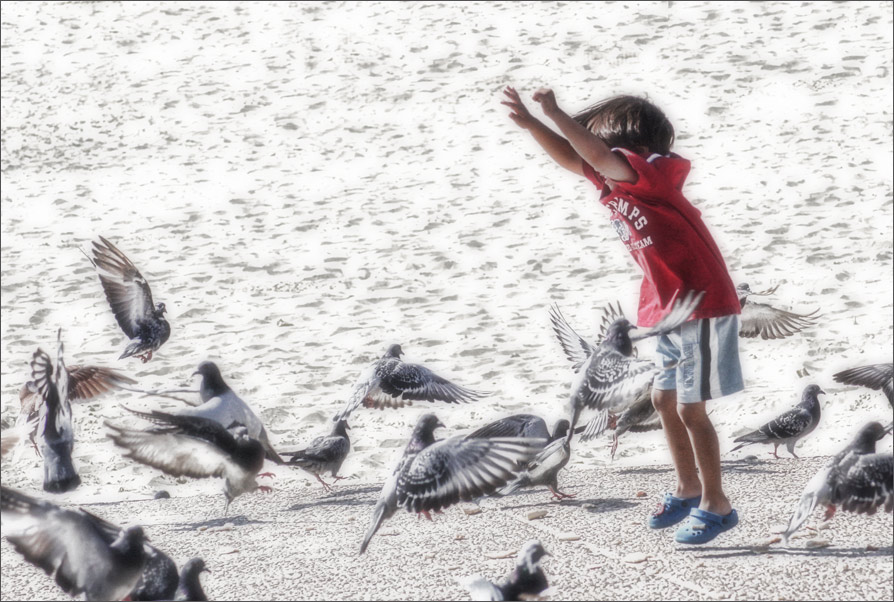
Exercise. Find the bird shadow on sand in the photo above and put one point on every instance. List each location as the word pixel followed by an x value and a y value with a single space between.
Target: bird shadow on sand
pixel 740 551
pixel 235 521
pixel 356 496
pixel 594 505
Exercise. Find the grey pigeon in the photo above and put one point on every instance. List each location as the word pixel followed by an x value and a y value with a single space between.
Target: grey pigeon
pixel 611 377
pixel 878 377
pixel 857 479
pixel 544 468
pixel 84 553
pixel 131 299
pixel 639 417
pixel 790 426
pixel 760 319
pixel 527 581
pixel 517 425
pixel 221 404
pixel 195 447
pixel 161 581
pixel 325 454
pixel 391 383
pixel 84 382
pixel 432 475
pixel 55 433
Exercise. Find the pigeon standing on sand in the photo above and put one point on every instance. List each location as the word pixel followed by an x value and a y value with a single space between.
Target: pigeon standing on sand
pixel 55 432
pixel 878 377
pixel 610 378
pixel 789 427
pixel 221 404
pixel 760 319
pixel 161 581
pixel 857 479
pixel 131 299
pixel 84 553
pixel 525 582
pixel 391 383
pixel 325 454
pixel 544 468
pixel 195 447
pixel 432 475
pixel 84 382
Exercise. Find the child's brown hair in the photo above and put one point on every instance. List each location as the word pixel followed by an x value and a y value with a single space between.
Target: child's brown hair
pixel 629 122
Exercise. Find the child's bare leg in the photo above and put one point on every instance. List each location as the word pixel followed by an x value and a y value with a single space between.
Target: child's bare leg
pixel 688 483
pixel 707 455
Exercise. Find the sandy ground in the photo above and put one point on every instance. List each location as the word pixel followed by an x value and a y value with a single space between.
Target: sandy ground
pixel 302 544
pixel 304 184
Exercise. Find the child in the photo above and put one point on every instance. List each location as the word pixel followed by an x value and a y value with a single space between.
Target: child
pixel 622 145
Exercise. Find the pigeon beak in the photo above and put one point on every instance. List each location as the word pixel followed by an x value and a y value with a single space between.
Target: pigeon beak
pixel 195 373
pixel 440 424
pixel 205 571
pixel 821 391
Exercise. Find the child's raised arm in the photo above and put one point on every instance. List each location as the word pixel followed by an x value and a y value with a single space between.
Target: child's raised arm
pixel 556 147
pixel 593 150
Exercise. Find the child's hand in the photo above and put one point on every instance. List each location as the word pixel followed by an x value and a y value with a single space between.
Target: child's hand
pixel 520 114
pixel 547 100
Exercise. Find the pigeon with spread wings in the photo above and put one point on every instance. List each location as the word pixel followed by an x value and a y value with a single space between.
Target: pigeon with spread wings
pixel 84 553
pixel 131 299
pixel 760 319
pixel 432 475
pixel 391 383
pixel 195 447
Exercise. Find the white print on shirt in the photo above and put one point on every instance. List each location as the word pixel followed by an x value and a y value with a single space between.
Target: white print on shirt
pixel 629 211
pixel 622 230
pixel 639 244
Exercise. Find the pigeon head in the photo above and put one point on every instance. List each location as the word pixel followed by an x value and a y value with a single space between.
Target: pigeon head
pixel 531 555
pixel 561 429
pixel 394 351
pixel 193 567
pixel 743 288
pixel 809 396
pixel 130 540
pixel 865 440
pixel 618 336
pixel 160 309
pixel 341 428
pixel 425 428
pixel 213 384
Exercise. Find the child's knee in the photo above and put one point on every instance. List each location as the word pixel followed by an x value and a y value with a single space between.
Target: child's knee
pixel 692 413
pixel 664 401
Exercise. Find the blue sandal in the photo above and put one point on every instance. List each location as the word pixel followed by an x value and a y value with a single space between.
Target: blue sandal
pixel 672 511
pixel 703 526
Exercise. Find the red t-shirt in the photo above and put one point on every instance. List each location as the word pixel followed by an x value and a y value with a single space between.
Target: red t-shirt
pixel 667 238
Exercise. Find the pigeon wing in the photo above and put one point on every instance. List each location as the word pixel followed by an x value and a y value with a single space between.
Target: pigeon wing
pixel 867 486
pixel 876 377
pixel 461 469
pixel 759 319
pixel 577 349
pixel 86 382
pixel 415 382
pixel 787 425
pixel 126 290
pixel 611 380
pixel 517 425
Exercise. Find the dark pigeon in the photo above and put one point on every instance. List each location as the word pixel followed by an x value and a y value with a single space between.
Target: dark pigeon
pixel 161 581
pixel 391 383
pixel 611 377
pixel 221 404
pixel 857 479
pixel 195 447
pixel 878 377
pixel 84 553
pixel 789 427
pixel 131 300
pixel 432 475
pixel 84 382
pixel 517 425
pixel 544 468
pixel 526 582
pixel 325 454
pixel 55 433
pixel 760 319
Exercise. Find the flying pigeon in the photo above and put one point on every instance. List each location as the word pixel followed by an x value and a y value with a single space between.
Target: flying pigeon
pixel 131 300
pixel 639 417
pixel 161 581
pixel 84 382
pixel 84 553
pixel 517 425
pixel 525 582
pixel 878 377
pixel 432 475
pixel 195 447
pixel 56 436
pixel 390 383
pixel 857 479
pixel 611 377
pixel 790 426
pixel 544 468
pixel 767 321
pixel 221 404
pixel 325 454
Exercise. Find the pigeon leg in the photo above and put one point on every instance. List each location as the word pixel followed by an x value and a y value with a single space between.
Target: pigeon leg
pixel 326 485
pixel 268 475
pixel 830 512
pixel 612 421
pixel 265 489
pixel 146 356
pixel 791 449
pixel 424 513
pixel 560 495
pixel 614 445
pixel 775 447
pixel 338 478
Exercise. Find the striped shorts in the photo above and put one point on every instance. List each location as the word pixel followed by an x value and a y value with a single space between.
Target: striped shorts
pixel 702 357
